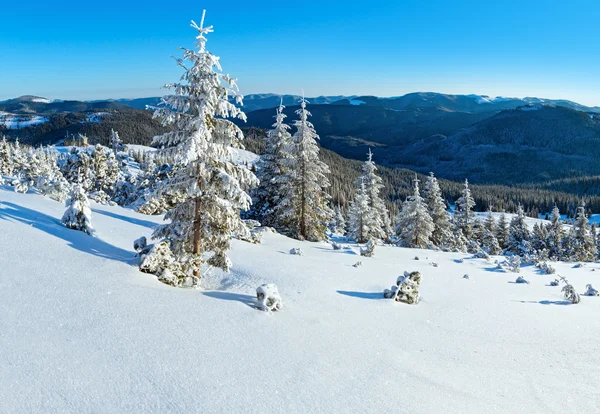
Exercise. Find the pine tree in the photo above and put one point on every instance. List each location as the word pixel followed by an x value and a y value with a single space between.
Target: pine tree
pixel 338 224
pixel 212 187
pixel 415 225
pixel 489 241
pixel 519 237
pixel 442 226
pixel 502 231
pixel 6 165
pixel 271 165
pixel 584 246
pixel 115 143
pixel 303 209
pixel 464 211
pixel 554 235
pixel 360 218
pixel 380 228
pixel 79 214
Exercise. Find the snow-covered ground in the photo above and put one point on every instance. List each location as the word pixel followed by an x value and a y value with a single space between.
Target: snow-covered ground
pixel 82 330
pixel 11 121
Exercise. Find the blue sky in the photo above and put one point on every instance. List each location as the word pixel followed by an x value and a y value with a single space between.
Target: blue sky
pixel 112 49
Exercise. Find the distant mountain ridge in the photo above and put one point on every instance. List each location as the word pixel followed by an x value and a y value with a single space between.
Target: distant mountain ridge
pixel 454 103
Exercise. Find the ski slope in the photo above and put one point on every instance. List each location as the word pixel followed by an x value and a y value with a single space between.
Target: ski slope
pixel 82 330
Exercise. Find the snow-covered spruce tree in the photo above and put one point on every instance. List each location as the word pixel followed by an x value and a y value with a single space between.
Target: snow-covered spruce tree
pixel 303 211
pixel 584 246
pixel 360 215
pixel 489 242
pixel 79 214
pixel 415 225
pixel 502 231
pixel 338 224
pixel 115 143
pixel 554 235
pixel 464 211
pixel 442 226
pixel 18 158
pixel 6 164
pixel 272 164
pixel 212 187
pixel 539 238
pixel 381 226
pixel 519 237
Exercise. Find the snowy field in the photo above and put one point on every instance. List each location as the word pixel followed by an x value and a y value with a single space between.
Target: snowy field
pixel 82 330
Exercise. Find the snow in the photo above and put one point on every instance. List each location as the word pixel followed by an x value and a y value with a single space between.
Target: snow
pixel 509 216
pixel 96 117
pixel 82 330
pixel 11 121
pixel 41 100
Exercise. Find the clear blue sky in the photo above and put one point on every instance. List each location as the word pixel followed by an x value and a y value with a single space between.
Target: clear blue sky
pixel 112 49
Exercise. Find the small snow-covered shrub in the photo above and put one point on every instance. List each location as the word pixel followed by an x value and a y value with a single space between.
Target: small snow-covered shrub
pixel 357 264
pixel 591 291
pixel 159 260
pixel 466 276
pixel 481 255
pixel 78 215
pixel 521 279
pixel 513 263
pixel 336 246
pixel 555 282
pixel 546 268
pixel 268 298
pixel 296 251
pixel 406 289
pixel 140 245
pixel 369 250
pixel 417 258
pixel 570 293
pixel 434 264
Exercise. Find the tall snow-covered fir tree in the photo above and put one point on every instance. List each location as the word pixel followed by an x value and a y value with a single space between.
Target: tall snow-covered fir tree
pixel 502 231
pixel 212 187
pixel 360 215
pixel 6 164
pixel 583 244
pixel 338 223
pixel 271 165
pixel 303 209
pixel 464 214
pixel 381 226
pixel 489 242
pixel 115 143
pixel 554 235
pixel 519 235
pixel 442 226
pixel 414 224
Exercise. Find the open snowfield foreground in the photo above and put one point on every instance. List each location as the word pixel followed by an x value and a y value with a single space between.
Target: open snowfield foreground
pixel 83 331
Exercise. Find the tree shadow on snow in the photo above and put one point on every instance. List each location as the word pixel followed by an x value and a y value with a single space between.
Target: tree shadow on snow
pixel 547 302
pixel 237 297
pixel 346 251
pixel 362 295
pixel 76 239
pixel 132 220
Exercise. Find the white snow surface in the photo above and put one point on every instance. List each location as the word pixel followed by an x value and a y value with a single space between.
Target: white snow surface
pixel 82 330
pixel 11 121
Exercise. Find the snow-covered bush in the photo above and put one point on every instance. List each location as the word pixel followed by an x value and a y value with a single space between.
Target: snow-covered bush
pixel 555 282
pixel 406 289
pixel 570 293
pixel 268 298
pixel 511 264
pixel 357 264
pixel 159 260
pixel 79 214
pixel 466 276
pixel 434 264
pixel 336 246
pixel 369 250
pixel 546 268
pixel 481 255
pixel 521 279
pixel 590 291
pixel 296 251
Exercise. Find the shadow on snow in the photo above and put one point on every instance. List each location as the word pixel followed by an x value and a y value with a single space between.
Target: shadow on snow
pixel 76 239
pixel 132 220
pixel 237 297
pixel 362 295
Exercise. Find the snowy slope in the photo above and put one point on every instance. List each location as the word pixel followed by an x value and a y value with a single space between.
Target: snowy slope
pixel 83 331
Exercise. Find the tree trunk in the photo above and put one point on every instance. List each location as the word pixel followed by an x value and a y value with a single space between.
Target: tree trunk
pixel 197 245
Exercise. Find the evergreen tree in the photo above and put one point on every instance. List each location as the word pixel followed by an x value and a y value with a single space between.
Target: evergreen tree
pixel 519 237
pixel 502 231
pixel 271 165
pixel 554 235
pixel 464 211
pixel 442 227
pixel 6 165
pixel 79 214
pixel 303 209
pixel 338 224
pixel 489 242
pixel 584 246
pixel 381 226
pixel 212 187
pixel 415 225
pixel 360 218
pixel 115 143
